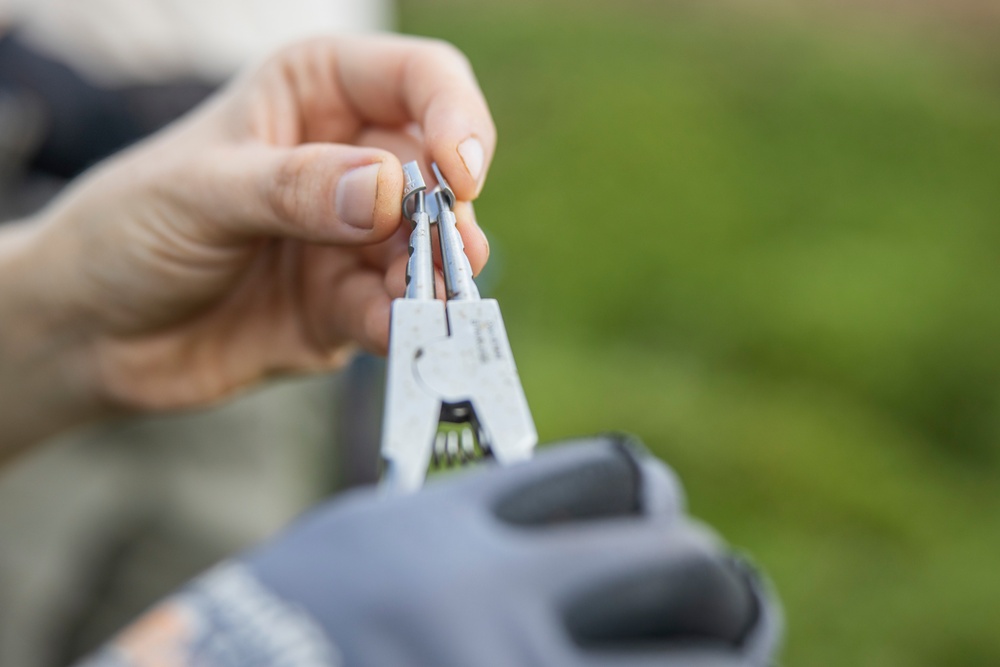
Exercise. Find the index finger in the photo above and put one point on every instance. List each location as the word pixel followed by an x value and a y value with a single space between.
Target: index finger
pixel 393 80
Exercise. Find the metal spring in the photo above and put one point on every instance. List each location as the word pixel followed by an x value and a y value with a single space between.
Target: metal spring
pixel 458 446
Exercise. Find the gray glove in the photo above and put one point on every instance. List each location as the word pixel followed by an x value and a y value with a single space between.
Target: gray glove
pixel 580 557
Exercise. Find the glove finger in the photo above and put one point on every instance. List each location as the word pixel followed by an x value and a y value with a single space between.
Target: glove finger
pixel 695 599
pixel 580 480
pixel 640 595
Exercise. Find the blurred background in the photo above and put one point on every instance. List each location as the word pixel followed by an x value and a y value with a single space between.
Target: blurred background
pixel 764 237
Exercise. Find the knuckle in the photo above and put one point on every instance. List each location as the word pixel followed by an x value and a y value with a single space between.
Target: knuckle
pixel 279 63
pixel 284 189
pixel 301 50
pixel 442 51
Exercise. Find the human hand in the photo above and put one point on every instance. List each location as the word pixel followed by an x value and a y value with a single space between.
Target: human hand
pixel 582 556
pixel 261 234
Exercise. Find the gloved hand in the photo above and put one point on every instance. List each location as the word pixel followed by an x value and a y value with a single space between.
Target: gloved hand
pixel 582 556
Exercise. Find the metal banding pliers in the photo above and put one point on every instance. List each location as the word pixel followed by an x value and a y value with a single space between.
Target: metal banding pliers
pixel 449 361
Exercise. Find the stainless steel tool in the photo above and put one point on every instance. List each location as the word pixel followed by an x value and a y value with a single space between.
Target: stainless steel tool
pixel 449 361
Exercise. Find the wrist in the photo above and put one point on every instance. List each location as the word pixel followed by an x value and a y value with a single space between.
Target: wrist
pixel 48 378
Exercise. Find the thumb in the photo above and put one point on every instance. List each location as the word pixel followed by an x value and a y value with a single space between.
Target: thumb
pixel 325 193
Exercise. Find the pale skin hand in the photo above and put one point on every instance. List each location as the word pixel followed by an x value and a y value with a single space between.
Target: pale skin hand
pixel 220 252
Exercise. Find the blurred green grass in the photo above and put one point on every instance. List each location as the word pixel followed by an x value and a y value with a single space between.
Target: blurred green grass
pixel 770 248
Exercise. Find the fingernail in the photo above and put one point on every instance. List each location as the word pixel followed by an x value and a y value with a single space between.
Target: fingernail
pixel 471 152
pixel 356 195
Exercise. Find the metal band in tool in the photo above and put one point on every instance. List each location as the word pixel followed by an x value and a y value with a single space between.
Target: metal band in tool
pixel 420 266
pixel 413 183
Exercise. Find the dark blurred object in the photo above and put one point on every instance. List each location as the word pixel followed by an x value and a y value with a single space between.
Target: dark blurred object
pixel 81 123
pixel 62 124
pixel 359 392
